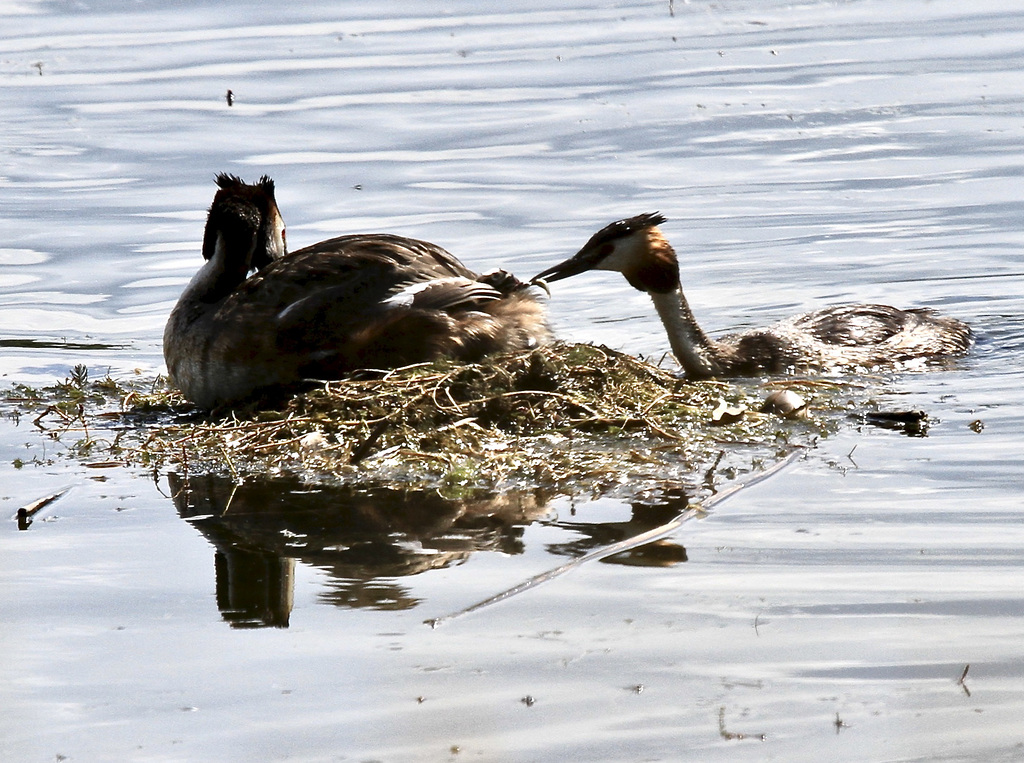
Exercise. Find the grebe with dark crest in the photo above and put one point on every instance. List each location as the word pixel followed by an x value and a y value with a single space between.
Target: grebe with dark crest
pixel 352 302
pixel 846 336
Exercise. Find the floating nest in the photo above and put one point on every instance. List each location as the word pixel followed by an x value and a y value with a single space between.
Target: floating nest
pixel 566 417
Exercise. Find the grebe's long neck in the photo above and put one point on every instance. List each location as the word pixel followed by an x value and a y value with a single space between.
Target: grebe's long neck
pixel 226 267
pixel 656 271
pixel 699 356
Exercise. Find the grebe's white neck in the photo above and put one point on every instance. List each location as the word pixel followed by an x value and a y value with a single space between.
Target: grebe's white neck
pixel 696 353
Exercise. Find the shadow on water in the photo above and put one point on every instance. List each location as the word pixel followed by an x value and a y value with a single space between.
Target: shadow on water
pixel 364 538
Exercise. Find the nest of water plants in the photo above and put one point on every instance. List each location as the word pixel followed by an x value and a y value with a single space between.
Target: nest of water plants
pixel 558 416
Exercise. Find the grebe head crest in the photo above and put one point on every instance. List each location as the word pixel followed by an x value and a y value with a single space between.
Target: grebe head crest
pixel 633 246
pixel 248 215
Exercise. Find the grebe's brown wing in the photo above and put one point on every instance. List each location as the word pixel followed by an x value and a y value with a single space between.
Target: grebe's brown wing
pixel 418 260
pixel 362 272
pixel 397 260
pixel 362 301
pixel 858 325
pixel 351 279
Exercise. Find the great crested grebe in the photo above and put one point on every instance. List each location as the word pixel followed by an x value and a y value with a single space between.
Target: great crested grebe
pixel 851 336
pixel 352 302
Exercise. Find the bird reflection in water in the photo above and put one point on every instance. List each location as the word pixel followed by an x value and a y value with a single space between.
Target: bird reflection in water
pixel 365 538
pixel 652 511
pixel 361 537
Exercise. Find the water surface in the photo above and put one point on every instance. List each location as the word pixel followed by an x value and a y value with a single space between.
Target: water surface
pixel 805 154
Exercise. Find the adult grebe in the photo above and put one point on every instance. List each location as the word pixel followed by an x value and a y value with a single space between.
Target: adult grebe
pixel 854 336
pixel 361 301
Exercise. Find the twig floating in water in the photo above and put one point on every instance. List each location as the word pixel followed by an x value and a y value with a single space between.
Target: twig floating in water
pixel 600 553
pixel 963 677
pixel 628 544
pixel 29 510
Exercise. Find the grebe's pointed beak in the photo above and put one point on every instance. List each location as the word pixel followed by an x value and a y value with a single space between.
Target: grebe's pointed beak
pixel 578 263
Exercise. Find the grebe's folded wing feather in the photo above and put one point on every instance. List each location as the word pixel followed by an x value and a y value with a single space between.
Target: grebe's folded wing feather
pixel 857 325
pixel 418 259
pixel 448 294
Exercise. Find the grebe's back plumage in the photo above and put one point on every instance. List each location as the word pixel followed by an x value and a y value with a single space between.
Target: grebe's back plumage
pixel 846 336
pixel 351 302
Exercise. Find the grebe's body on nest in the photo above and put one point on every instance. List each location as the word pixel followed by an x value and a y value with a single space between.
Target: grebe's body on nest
pixel 352 302
pixel 847 336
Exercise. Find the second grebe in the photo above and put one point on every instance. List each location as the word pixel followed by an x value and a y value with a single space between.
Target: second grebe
pixel 352 302
pixel 851 336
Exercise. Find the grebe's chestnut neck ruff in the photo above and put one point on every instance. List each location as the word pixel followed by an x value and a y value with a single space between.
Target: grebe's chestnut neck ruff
pixel 852 336
pixel 360 301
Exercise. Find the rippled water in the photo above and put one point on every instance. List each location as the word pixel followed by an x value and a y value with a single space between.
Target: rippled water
pixel 804 153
